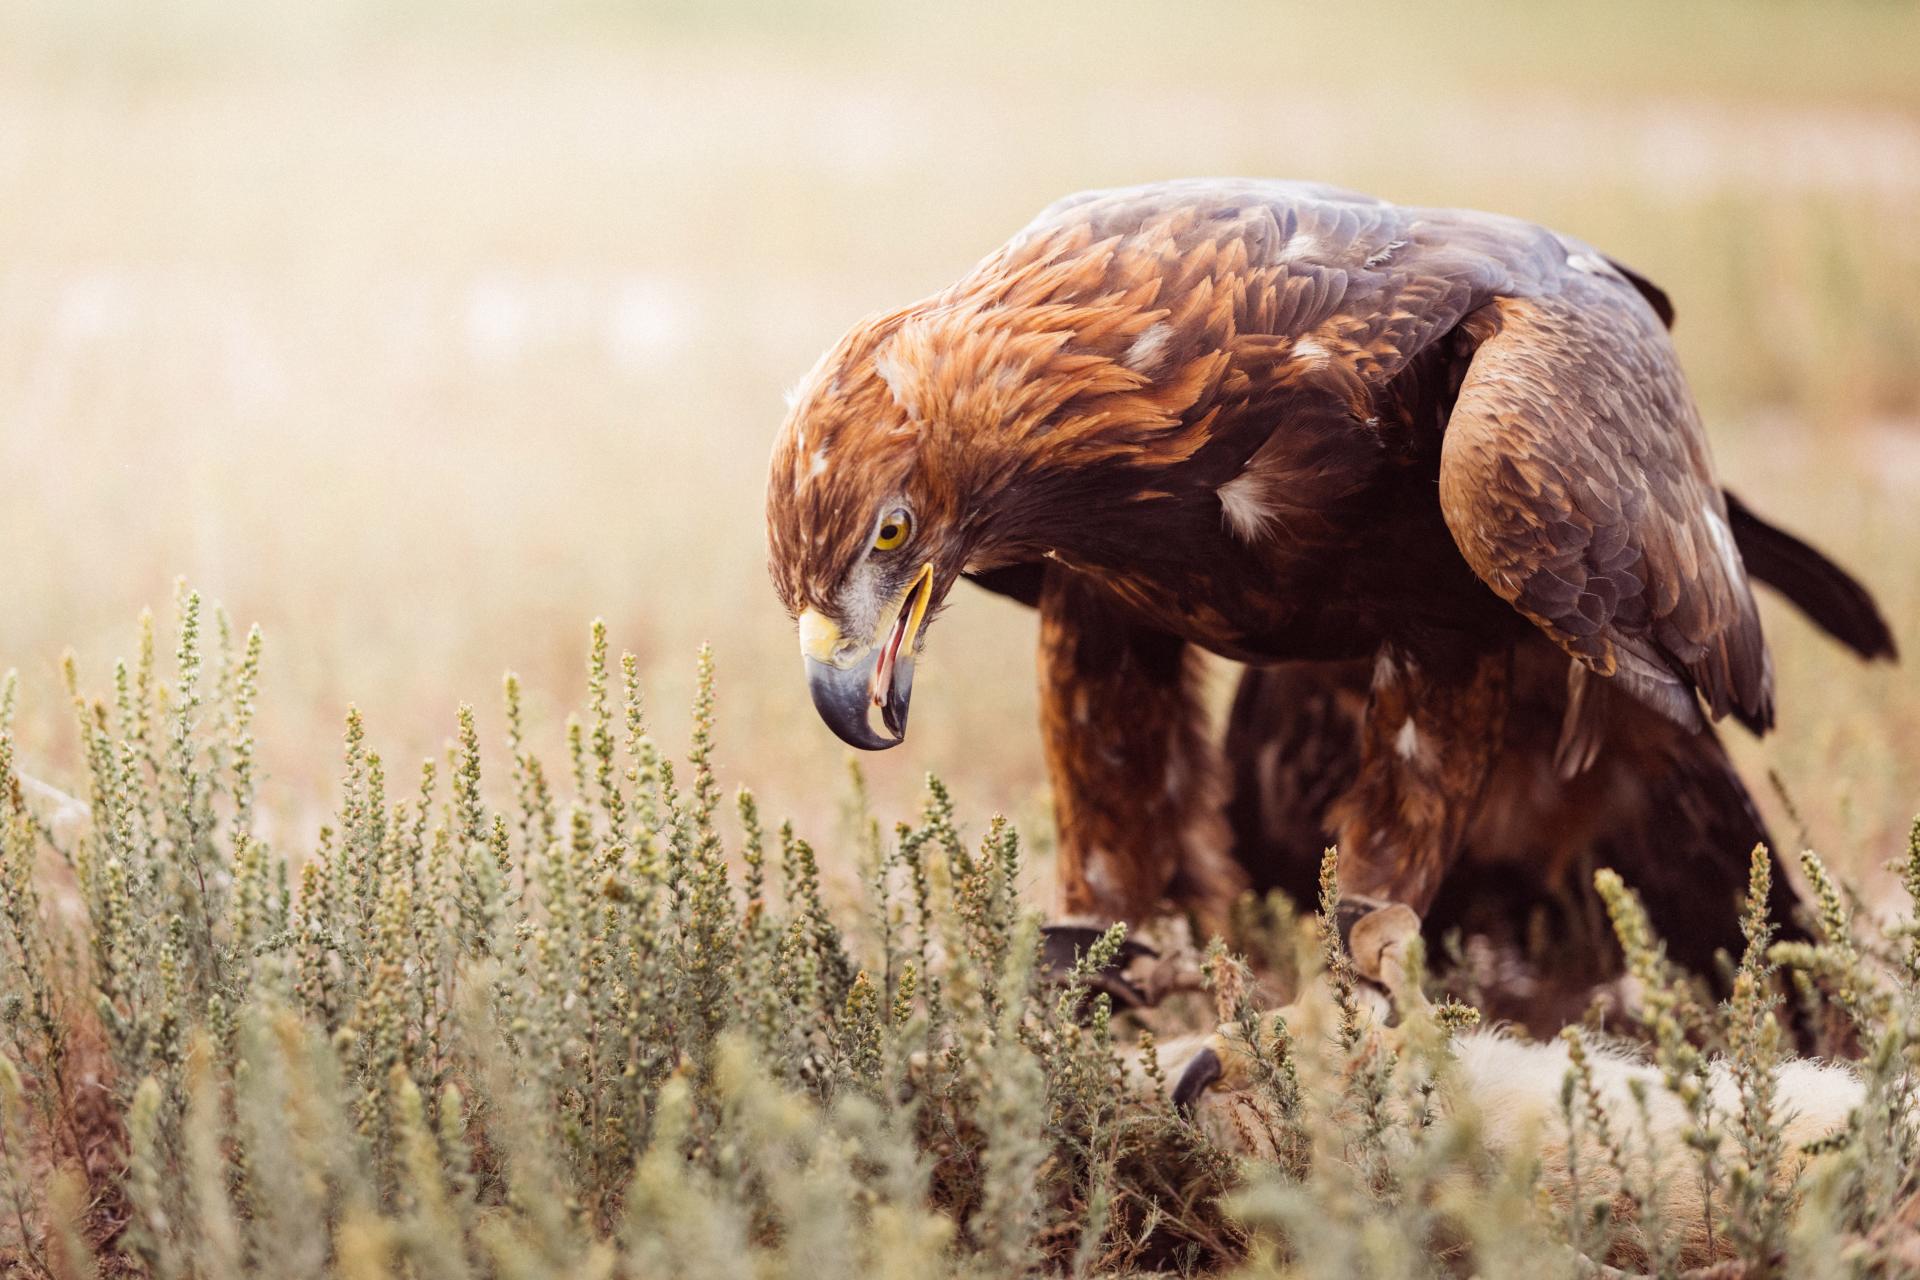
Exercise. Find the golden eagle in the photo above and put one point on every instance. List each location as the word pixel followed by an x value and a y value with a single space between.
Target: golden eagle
pixel 1447 458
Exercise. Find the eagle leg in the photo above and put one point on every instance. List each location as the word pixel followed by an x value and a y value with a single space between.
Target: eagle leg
pixel 1432 730
pixel 1138 784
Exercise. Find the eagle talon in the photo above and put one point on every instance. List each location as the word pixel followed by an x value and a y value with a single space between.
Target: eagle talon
pixel 1221 1064
pixel 1062 945
pixel 1202 1070
pixel 1377 935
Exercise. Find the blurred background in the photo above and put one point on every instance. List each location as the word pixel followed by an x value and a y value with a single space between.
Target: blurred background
pixel 424 334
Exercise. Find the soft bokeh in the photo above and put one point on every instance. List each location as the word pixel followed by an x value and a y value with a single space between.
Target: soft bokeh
pixel 423 334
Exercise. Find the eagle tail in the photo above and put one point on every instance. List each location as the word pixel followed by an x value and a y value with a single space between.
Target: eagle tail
pixel 1832 598
pixel 1682 853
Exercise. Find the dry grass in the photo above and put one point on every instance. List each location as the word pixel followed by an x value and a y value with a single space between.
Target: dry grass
pixel 523 1019
pixel 421 338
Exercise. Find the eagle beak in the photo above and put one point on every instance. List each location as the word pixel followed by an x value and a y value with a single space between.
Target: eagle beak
pixel 848 686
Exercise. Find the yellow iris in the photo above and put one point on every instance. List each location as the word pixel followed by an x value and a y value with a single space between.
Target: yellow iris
pixel 893 531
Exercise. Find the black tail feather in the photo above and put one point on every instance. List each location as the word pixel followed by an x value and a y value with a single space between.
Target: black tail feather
pixel 1819 588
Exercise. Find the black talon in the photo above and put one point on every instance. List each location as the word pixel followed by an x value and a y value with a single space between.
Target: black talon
pixel 1200 1073
pixel 1062 946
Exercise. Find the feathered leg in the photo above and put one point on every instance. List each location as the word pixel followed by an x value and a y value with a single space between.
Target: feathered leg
pixel 1660 805
pixel 1682 845
pixel 1427 746
pixel 1292 748
pixel 1137 783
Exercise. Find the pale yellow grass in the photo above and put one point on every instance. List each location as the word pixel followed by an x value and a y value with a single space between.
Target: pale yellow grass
pixel 423 341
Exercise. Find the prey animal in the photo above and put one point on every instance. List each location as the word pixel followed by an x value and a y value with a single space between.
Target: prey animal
pixel 1277 422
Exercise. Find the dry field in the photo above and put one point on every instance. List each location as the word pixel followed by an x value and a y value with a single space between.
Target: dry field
pixel 423 340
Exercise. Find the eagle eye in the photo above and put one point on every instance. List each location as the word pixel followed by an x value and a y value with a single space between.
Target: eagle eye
pixel 893 530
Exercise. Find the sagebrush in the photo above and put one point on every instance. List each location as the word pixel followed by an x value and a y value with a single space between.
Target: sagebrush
pixel 522 1023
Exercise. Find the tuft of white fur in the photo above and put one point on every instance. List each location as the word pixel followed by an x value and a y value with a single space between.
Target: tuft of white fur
pixel 1514 1085
pixel 1513 1088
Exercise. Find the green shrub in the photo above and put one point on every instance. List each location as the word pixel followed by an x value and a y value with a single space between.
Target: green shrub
pixel 589 1034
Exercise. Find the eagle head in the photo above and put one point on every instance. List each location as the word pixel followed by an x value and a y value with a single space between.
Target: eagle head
pixel 986 426
pixel 863 536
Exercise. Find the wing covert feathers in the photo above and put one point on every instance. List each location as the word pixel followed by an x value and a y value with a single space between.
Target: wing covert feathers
pixel 1574 477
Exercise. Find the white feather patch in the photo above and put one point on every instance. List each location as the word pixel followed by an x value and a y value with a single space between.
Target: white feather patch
pixel 1149 349
pixel 1311 351
pixel 898 383
pixel 1723 542
pixel 1247 514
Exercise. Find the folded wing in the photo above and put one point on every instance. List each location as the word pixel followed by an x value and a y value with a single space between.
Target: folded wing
pixel 1575 479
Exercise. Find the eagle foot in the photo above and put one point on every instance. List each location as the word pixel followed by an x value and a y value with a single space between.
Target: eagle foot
pixel 1381 938
pixel 1224 1063
pixel 1062 945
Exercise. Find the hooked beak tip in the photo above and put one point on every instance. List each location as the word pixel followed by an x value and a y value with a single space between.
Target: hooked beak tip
pixel 843 697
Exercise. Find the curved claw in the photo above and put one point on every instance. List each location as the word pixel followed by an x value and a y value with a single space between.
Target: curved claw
pixel 1062 945
pixel 1201 1072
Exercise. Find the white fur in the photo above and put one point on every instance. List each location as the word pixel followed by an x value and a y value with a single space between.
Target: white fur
pixel 1513 1087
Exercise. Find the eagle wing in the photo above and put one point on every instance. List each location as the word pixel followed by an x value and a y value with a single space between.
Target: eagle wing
pixel 1574 473
pixel 1575 479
